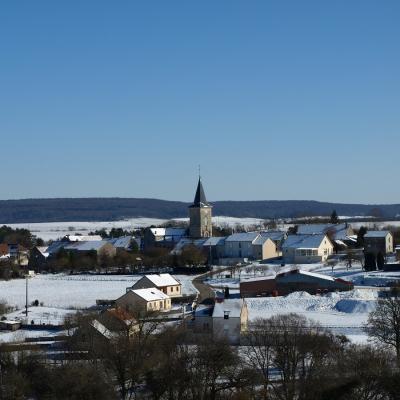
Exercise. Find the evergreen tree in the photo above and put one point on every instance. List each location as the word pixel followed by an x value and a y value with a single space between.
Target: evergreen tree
pixel 334 217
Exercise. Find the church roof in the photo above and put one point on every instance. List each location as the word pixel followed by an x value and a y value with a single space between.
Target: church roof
pixel 200 197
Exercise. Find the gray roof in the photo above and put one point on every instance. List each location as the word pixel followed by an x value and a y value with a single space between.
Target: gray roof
pixel 232 306
pixel 243 237
pixel 303 241
pixel 260 240
pixel 56 246
pixel 314 229
pixel 376 234
pixel 122 242
pixel 273 235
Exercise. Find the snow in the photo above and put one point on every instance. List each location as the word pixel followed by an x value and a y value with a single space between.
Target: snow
pixel 22 334
pixel 75 291
pixel 41 315
pixel 343 313
pixel 150 294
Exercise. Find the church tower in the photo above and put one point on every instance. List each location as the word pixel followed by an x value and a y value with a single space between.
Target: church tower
pixel 200 215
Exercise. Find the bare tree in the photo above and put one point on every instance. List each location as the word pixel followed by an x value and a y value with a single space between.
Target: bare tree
pixel 259 351
pixel 383 324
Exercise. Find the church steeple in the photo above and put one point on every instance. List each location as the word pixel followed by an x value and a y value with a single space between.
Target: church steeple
pixel 200 197
pixel 200 214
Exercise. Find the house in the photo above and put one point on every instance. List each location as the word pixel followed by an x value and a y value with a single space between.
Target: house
pixel 254 245
pixel 163 282
pixel 214 247
pixel 123 242
pixel 230 320
pixel 292 281
pixel 16 253
pixel 118 320
pixel 144 300
pixel 268 245
pixel 38 257
pixel 306 249
pixel 162 237
pixel 377 245
pixel 100 247
pixel 338 231
pixel 240 245
pixel 340 234
pixel 186 242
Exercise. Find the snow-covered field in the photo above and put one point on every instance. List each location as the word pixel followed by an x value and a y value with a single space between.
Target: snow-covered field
pixel 55 230
pixel 343 313
pixel 76 291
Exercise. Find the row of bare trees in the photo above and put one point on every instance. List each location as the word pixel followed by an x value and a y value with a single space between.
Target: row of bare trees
pixel 285 357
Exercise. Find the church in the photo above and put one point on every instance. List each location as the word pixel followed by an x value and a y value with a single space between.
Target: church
pixel 200 226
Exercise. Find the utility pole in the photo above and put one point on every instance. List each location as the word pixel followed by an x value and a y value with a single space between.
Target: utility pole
pixel 26 296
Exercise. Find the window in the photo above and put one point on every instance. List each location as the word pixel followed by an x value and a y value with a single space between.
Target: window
pixel 226 314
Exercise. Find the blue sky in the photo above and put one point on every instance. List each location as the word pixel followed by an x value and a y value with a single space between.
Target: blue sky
pixel 275 99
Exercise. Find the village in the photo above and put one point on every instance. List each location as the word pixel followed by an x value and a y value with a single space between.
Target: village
pixel 195 275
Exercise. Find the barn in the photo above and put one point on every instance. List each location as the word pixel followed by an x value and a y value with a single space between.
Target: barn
pixel 293 281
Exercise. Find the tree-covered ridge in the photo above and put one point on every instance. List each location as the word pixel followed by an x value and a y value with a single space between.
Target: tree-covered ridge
pixel 110 209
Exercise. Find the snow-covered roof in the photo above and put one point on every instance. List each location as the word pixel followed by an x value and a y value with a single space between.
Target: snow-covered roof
pixel 243 237
pixel 122 242
pixel 316 275
pixel 315 229
pixel 376 234
pixel 304 241
pixel 232 307
pixel 258 278
pixel 186 242
pixel 151 294
pixel 168 231
pixel 260 240
pixel 102 329
pixel 214 241
pixel 55 246
pixel 93 245
pixel 162 280
pixel 83 238
pixel 273 235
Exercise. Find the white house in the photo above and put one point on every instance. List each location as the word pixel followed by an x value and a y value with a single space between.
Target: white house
pixel 166 283
pixel 306 249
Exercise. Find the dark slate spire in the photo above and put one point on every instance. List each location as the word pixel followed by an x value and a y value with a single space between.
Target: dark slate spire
pixel 200 197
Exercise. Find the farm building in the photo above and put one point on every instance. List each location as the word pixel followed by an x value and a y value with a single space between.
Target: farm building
pixel 293 281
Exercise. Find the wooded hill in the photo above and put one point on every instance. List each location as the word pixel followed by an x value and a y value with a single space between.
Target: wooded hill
pixel 108 209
